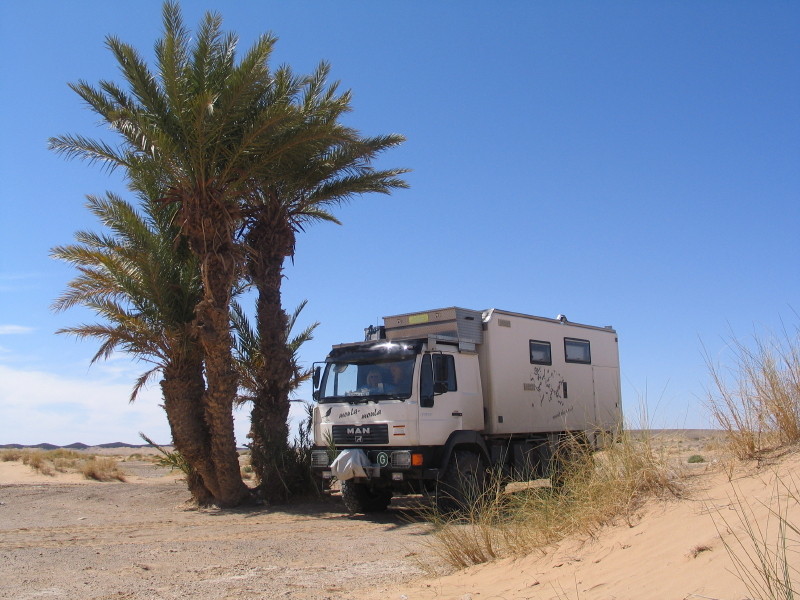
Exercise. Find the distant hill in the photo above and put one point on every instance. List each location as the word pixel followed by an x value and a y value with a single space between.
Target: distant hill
pixel 22 446
pixel 121 445
pixel 73 446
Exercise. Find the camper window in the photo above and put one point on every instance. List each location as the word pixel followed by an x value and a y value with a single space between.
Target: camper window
pixel 540 353
pixel 577 351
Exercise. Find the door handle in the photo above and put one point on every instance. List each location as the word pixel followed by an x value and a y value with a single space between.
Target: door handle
pixel 457 414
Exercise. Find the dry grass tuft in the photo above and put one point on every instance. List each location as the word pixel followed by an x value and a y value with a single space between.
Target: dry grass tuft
pixel 38 462
pixel 11 455
pixel 48 462
pixel 596 489
pixel 102 469
pixel 756 401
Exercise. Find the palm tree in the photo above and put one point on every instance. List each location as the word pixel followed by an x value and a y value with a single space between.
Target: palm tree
pixel 213 128
pixel 324 173
pixel 143 283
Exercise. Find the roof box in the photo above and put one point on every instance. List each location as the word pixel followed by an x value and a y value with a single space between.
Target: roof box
pixel 459 323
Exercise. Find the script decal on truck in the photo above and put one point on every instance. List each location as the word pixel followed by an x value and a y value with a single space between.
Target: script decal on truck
pixel 563 413
pixel 348 413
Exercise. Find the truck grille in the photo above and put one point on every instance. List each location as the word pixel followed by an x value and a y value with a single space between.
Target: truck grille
pixel 361 434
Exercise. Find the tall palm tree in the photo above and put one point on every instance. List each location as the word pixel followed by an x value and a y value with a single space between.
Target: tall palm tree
pixel 324 173
pixel 214 127
pixel 143 283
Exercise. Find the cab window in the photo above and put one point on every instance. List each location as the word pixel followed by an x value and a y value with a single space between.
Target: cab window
pixel 444 370
pixel 437 372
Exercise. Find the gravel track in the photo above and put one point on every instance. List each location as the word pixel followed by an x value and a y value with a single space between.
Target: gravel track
pixel 139 540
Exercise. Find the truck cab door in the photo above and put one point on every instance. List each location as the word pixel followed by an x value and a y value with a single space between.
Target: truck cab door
pixel 450 395
pixel 440 409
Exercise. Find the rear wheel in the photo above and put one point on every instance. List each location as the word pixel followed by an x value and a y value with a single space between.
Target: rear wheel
pixel 464 482
pixel 362 498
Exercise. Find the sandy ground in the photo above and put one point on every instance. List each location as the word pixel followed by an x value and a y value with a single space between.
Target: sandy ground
pixel 63 537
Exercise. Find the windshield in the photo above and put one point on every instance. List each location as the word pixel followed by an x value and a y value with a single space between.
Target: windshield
pixel 363 381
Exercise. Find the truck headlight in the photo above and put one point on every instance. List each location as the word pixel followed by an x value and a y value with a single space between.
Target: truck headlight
pixel 401 459
pixel 319 458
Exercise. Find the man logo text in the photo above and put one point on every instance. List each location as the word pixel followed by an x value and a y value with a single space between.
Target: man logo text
pixel 358 431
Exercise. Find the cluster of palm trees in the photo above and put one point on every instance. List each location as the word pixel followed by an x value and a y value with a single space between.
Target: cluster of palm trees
pixel 229 160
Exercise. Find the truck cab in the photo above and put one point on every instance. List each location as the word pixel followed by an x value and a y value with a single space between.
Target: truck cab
pixel 399 401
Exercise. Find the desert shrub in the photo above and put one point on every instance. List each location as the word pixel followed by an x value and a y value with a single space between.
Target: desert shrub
pixel 756 400
pixel 296 459
pixel 66 465
pixel 37 461
pixel 11 455
pixel 102 469
pixel 64 453
pixel 48 462
pixel 696 458
pixel 293 461
pixel 595 488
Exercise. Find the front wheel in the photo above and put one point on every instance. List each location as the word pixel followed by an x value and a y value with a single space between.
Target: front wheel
pixel 361 498
pixel 463 483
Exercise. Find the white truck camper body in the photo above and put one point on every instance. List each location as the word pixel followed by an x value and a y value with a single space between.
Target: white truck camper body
pixel 431 400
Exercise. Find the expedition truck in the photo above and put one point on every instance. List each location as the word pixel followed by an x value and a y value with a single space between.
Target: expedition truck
pixel 431 400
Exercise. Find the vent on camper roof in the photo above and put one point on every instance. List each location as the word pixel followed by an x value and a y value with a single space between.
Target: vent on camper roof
pixel 503 322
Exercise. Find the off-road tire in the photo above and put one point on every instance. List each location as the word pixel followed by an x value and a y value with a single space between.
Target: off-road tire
pixel 361 498
pixel 463 483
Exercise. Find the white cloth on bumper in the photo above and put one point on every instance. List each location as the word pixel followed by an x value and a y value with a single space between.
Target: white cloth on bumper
pixel 350 463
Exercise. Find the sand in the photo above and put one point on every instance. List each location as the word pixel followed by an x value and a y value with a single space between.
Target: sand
pixel 65 537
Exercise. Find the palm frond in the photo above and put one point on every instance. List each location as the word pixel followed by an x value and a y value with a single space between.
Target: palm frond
pixel 93 151
pixel 142 381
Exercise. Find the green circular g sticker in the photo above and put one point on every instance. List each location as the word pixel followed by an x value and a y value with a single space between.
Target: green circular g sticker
pixel 383 459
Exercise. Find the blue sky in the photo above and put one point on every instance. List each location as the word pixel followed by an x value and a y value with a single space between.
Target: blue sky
pixel 632 164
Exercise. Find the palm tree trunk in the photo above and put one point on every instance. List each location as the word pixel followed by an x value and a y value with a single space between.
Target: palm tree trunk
pixel 209 229
pixel 222 382
pixel 269 428
pixel 183 388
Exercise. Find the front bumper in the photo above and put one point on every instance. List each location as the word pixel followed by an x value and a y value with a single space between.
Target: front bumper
pixel 392 464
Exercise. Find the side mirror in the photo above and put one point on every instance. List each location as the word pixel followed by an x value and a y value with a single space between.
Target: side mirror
pixel 440 387
pixel 426 401
pixel 315 377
